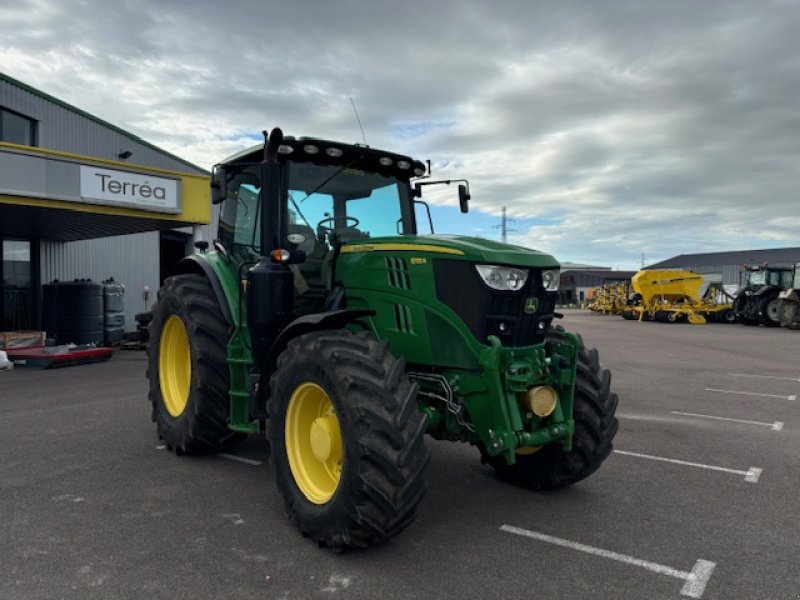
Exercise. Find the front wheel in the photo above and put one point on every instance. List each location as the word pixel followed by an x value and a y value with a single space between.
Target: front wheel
pixel 347 439
pixel 551 467
pixel 771 312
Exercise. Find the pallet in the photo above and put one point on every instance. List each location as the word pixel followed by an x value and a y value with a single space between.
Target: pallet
pixel 21 339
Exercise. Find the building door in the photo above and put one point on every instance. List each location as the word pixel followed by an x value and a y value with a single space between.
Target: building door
pixel 17 298
pixel 173 247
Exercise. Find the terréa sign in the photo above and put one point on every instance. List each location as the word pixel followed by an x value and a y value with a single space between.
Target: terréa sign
pixel 133 189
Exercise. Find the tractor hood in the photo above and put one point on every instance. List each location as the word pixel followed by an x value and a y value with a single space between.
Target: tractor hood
pixel 457 247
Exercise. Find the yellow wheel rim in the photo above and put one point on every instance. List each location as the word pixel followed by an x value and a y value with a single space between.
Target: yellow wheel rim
pixel 527 450
pixel 174 366
pixel 313 442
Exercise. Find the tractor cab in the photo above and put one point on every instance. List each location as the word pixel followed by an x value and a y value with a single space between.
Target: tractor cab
pixel 758 277
pixel 319 195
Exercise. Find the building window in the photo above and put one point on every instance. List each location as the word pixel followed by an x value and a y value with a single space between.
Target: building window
pixel 16 129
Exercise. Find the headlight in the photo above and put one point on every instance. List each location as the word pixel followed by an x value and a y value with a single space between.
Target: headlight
pixel 502 278
pixel 550 280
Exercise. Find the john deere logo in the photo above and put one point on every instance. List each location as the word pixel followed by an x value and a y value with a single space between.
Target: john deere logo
pixel 531 305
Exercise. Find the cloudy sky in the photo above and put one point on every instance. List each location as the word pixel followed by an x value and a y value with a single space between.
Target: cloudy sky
pixel 608 129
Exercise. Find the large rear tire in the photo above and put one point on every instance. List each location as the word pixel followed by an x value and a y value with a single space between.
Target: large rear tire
pixel 790 314
pixel 347 439
pixel 595 427
pixel 188 370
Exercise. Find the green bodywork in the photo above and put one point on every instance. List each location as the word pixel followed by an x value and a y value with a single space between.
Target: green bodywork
pixel 345 203
pixel 394 277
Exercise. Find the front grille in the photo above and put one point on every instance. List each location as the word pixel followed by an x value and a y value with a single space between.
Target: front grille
pixel 487 312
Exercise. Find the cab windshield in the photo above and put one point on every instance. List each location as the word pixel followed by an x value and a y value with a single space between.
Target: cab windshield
pixel 337 205
pixel 757 278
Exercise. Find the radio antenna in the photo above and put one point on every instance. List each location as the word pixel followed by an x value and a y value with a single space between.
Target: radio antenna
pixel 360 126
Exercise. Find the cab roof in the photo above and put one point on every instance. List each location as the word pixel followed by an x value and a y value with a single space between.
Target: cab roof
pixel 328 152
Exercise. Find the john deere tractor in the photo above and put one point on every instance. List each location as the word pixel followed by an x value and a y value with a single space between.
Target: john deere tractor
pixel 321 316
pixel 757 299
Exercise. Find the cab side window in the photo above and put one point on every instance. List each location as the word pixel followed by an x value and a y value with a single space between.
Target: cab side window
pixel 239 216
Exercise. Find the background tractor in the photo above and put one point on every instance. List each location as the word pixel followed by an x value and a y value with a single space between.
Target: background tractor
pixel 790 301
pixel 321 316
pixel 757 299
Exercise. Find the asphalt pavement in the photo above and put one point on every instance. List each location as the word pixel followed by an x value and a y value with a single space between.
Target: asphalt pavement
pixel 699 499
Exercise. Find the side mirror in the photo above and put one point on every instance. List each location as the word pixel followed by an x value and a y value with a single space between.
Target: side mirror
pixel 463 198
pixel 219 185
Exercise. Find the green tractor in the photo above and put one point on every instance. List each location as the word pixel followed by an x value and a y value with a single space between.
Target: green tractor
pixel 321 317
pixel 790 301
pixel 757 299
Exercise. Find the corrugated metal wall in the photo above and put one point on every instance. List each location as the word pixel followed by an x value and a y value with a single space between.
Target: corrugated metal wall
pixel 67 131
pixel 132 260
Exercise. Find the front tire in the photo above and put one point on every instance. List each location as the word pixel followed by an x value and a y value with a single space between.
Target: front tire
pixel 771 312
pixel 188 369
pixel 347 439
pixel 595 427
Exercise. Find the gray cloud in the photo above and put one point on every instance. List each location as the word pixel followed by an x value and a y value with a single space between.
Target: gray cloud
pixel 656 127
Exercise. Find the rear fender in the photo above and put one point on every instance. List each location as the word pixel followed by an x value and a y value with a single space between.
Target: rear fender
pixel 334 319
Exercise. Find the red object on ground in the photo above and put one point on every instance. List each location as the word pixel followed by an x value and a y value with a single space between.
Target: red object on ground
pixel 56 356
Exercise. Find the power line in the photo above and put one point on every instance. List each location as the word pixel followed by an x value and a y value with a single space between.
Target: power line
pixel 503 226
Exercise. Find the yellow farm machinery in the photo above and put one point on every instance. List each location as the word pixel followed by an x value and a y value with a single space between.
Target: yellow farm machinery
pixel 610 299
pixel 673 296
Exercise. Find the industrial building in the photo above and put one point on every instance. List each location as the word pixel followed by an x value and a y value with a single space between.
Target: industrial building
pixel 83 199
pixel 576 282
pixel 728 266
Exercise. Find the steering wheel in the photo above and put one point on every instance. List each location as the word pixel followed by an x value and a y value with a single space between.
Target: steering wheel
pixel 348 222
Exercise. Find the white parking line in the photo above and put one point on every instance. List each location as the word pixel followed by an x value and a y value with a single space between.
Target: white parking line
pixel 751 475
pixel 696 579
pixel 792 397
pixel 775 426
pixel 765 376
pixel 241 459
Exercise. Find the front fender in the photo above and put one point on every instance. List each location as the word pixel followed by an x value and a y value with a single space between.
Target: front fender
pixel 204 264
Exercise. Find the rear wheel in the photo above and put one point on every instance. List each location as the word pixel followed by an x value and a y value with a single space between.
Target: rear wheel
pixel 596 425
pixel 347 439
pixel 790 314
pixel 187 368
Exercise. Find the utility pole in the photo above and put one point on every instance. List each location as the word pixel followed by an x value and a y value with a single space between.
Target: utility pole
pixel 504 230
pixel 643 260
